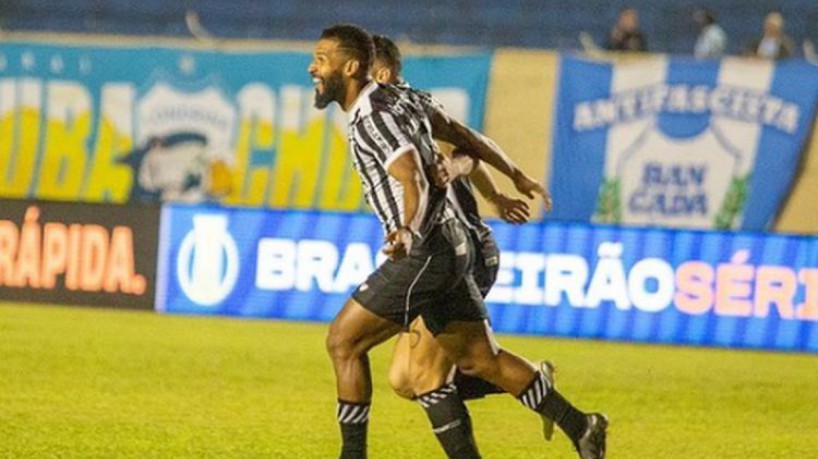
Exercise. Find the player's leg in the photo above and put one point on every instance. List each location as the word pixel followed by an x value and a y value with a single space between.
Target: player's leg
pixel 388 301
pixel 484 271
pixel 399 367
pixel 427 366
pixel 353 332
pixel 429 371
pixel 418 364
pixel 462 330
pixel 474 351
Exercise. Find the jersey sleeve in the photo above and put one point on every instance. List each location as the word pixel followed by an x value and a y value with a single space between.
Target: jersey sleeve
pixel 385 138
pixel 430 103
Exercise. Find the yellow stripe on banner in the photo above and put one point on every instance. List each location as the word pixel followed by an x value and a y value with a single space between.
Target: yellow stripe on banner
pixel 520 114
pixel 800 213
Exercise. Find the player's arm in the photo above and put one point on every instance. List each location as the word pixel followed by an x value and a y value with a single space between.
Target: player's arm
pixel 461 164
pixel 389 143
pixel 509 209
pixel 448 168
pixel 448 129
pixel 405 167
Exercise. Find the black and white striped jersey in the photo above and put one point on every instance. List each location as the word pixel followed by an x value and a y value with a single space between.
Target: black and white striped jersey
pixel 465 204
pixel 461 194
pixel 384 123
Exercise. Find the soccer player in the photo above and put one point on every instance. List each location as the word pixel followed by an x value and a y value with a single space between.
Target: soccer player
pixel 428 272
pixel 420 367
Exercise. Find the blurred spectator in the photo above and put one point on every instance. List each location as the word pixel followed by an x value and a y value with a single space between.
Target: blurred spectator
pixel 773 42
pixel 195 27
pixel 625 35
pixel 809 52
pixel 712 40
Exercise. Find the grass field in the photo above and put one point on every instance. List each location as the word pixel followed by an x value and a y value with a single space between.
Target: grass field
pixel 100 383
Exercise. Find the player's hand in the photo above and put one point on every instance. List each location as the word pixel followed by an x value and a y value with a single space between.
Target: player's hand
pixel 547 202
pixel 444 172
pixel 511 210
pixel 398 243
pixel 527 185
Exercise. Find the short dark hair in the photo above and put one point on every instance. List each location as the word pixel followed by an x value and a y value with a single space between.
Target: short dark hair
pixel 355 41
pixel 705 15
pixel 387 51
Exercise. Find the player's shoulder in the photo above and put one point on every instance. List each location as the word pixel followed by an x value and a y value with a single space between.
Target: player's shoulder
pixel 418 95
pixel 421 94
pixel 384 96
pixel 423 98
pixel 390 99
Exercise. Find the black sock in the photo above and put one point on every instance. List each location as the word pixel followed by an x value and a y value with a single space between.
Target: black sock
pixel 545 400
pixel 470 387
pixel 354 419
pixel 450 422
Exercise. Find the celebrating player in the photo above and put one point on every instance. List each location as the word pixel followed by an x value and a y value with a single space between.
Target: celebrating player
pixel 428 273
pixel 420 367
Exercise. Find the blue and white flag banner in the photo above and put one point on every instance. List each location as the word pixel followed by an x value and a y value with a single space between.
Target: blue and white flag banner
pixel 679 143
pixel 138 123
pixel 575 280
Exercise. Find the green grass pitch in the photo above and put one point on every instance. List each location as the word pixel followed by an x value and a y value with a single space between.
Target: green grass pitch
pixel 89 383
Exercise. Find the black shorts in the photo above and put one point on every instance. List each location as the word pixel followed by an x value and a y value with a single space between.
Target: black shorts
pixel 486 261
pixel 435 281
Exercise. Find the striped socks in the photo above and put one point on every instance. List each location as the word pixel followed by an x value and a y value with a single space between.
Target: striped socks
pixel 450 422
pixel 470 387
pixel 354 419
pixel 541 397
pixel 534 394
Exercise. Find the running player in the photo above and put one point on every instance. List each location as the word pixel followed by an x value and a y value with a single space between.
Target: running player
pixel 428 272
pixel 419 364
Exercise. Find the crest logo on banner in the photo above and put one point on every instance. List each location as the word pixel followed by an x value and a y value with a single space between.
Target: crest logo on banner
pixel 208 262
pixel 184 140
pixel 679 143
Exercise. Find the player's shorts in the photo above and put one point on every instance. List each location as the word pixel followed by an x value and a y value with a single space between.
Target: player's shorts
pixel 486 261
pixel 435 281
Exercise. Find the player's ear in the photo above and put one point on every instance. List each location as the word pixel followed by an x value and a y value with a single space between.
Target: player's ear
pixel 383 75
pixel 351 67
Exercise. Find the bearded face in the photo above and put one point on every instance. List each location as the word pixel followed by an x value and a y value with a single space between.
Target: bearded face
pixel 327 74
pixel 328 89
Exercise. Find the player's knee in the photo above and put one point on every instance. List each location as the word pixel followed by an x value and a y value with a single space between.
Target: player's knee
pixel 477 366
pixel 338 346
pixel 424 379
pixel 400 383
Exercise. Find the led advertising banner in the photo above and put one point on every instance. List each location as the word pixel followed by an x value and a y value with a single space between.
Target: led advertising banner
pixel 81 254
pixel 648 285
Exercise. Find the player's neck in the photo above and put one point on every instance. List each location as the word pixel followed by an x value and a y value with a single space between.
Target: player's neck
pixel 354 88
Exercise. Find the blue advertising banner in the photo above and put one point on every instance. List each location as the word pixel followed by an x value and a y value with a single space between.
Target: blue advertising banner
pixel 577 280
pixel 257 263
pixel 679 143
pixel 140 123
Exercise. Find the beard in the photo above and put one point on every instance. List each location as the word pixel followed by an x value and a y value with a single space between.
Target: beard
pixel 334 90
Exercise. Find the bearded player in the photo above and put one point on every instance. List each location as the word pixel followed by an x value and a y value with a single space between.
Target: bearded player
pixel 428 273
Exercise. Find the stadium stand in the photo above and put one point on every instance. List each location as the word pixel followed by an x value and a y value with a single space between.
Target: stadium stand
pixel 525 23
